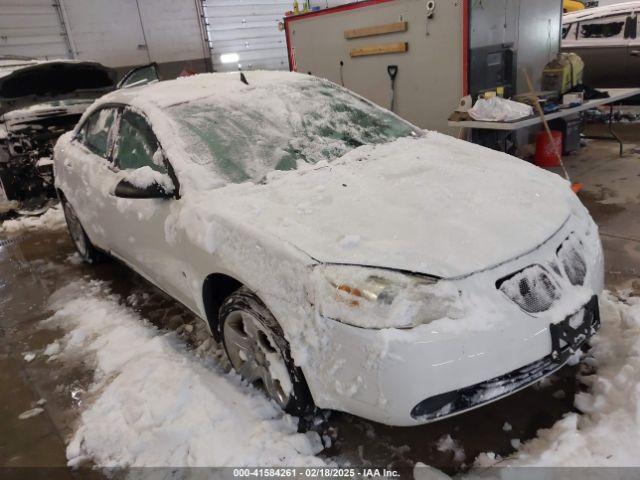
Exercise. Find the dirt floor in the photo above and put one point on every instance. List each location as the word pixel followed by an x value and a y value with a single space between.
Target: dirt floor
pixel 35 264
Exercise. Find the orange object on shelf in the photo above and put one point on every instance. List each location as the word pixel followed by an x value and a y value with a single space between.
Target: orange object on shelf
pixel 547 153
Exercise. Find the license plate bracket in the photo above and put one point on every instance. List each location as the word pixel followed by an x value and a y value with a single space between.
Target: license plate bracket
pixel 568 335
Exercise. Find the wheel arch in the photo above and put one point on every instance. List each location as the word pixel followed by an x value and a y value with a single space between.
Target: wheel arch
pixel 215 288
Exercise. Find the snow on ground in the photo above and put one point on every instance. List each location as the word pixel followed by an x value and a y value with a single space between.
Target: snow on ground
pixel 154 403
pixel 608 431
pixel 52 219
pixel 448 444
pixel 31 413
pixel 157 404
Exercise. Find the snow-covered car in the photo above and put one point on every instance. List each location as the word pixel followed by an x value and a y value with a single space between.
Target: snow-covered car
pixel 39 101
pixel 344 258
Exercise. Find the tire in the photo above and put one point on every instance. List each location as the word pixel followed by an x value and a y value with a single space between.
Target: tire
pixel 256 348
pixel 80 240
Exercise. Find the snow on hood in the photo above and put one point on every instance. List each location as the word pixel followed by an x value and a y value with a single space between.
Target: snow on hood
pixel 434 205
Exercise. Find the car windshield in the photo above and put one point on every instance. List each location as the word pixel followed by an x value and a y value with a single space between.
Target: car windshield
pixel 245 135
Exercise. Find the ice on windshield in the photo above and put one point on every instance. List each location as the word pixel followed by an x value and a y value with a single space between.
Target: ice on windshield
pixel 251 132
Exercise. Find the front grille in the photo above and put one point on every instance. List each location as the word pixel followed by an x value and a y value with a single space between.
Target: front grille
pixel 531 288
pixel 575 268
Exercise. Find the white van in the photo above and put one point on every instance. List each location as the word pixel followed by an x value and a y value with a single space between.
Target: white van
pixel 607 40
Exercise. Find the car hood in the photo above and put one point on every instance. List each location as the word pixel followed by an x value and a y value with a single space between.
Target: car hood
pixel 41 82
pixel 432 204
pixel 40 113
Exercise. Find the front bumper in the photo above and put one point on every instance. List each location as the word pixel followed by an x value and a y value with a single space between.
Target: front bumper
pixel 403 378
pixel 414 376
pixel 566 338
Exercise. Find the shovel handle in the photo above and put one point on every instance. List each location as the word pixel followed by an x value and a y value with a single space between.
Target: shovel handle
pixel 392 70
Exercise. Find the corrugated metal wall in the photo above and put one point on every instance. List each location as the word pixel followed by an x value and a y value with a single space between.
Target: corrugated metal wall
pixel 248 28
pixel 106 32
pixel 121 33
pixel 32 28
pixel 125 33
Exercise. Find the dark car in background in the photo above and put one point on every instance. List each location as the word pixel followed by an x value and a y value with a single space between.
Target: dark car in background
pixel 39 101
pixel 606 38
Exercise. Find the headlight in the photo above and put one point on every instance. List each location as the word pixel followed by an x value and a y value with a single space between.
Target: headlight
pixel 377 298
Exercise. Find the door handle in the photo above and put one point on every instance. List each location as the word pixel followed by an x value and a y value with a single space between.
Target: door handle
pixel 635 53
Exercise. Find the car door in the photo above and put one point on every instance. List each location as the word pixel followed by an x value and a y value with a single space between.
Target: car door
pixel 602 44
pixel 141 240
pixel 88 174
pixel 140 76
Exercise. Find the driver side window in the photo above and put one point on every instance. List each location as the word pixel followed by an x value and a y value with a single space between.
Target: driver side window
pixel 96 130
pixel 137 146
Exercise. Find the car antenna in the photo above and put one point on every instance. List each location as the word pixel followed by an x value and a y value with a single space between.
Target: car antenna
pixel 243 79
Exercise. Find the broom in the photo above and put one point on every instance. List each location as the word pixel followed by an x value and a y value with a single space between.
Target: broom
pixel 576 187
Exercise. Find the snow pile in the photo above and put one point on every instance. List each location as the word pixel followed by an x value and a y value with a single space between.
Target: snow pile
pixel 608 431
pixel 52 219
pixel 152 403
pixel 448 444
pixel 144 177
pixel 30 413
pixel 28 356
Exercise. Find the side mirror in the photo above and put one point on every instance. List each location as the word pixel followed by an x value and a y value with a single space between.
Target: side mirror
pixel 126 189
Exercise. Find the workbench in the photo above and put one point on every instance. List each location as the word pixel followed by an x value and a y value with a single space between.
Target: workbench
pixel 616 95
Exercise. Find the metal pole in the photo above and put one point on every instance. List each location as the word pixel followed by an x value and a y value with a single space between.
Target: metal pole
pixel 62 17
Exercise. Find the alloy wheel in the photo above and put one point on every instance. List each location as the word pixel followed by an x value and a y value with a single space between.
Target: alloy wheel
pixel 255 357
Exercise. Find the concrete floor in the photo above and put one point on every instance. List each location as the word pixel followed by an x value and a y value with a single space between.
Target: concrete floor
pixel 36 264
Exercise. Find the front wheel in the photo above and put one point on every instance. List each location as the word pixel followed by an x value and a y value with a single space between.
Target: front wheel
pixel 83 245
pixel 255 345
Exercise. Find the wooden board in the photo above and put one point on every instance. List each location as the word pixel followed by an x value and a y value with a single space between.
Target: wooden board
pixel 399 47
pixel 376 30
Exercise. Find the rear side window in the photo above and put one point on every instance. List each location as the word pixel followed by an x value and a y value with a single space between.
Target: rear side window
pixel 96 130
pixel 603 28
pixel 137 146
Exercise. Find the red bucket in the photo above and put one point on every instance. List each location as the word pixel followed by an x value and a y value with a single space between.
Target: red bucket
pixel 546 152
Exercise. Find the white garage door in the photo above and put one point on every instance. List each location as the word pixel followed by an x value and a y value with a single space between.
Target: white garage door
pixel 32 28
pixel 248 29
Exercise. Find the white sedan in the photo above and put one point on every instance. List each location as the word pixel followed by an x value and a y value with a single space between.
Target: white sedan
pixel 346 259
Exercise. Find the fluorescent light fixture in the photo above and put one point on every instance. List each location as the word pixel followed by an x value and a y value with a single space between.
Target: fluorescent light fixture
pixel 229 57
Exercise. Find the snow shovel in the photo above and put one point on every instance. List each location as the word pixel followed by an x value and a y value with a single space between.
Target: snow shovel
pixel 392 70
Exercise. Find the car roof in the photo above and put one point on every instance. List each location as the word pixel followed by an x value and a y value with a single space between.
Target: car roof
pixel 599 12
pixel 167 93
